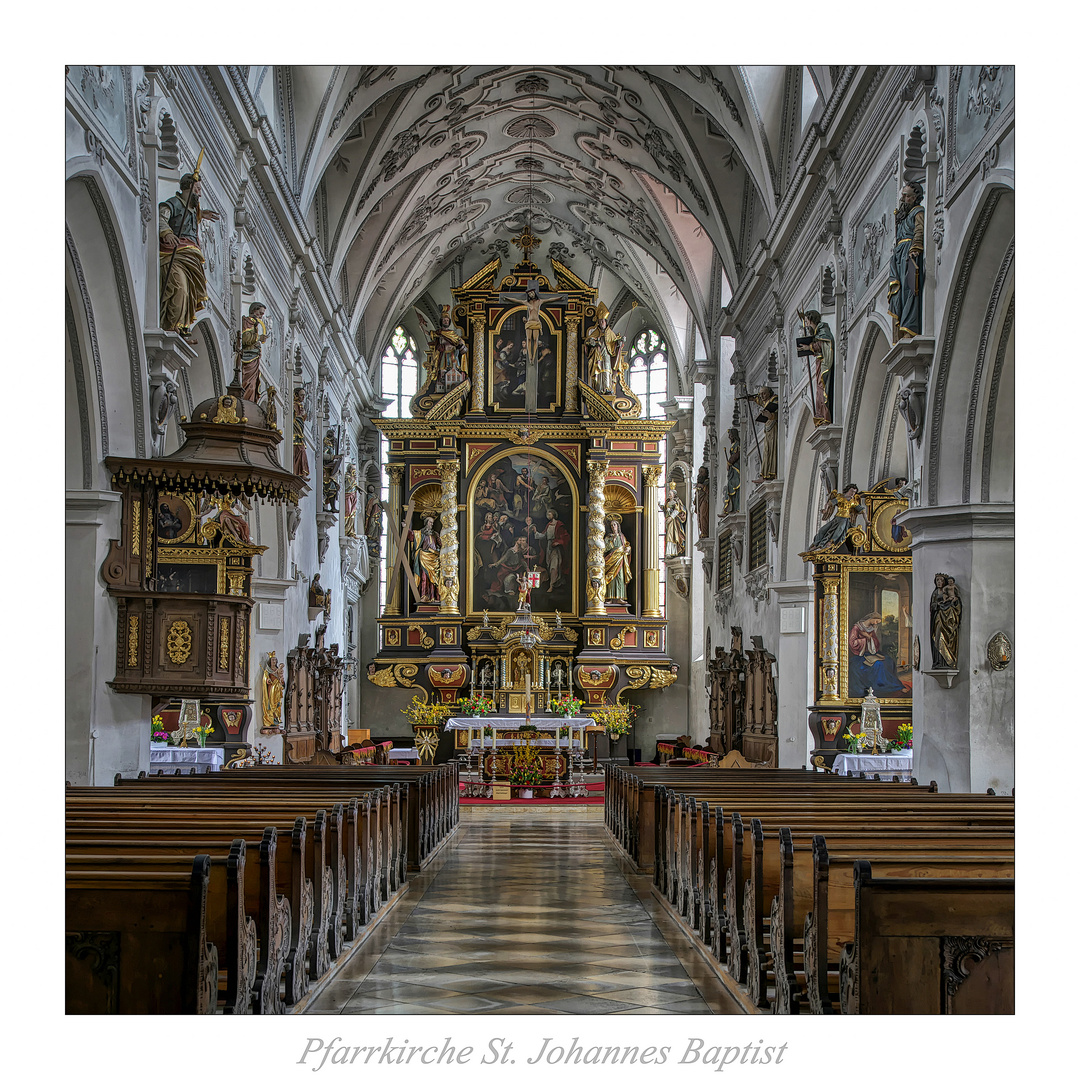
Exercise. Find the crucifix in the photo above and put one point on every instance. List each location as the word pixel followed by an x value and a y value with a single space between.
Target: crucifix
pixel 532 298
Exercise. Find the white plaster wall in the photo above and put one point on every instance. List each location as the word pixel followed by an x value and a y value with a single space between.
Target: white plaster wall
pixel 105 732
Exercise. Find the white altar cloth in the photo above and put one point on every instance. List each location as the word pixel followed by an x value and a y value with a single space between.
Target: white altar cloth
pixel 204 758
pixel 514 723
pixel 886 765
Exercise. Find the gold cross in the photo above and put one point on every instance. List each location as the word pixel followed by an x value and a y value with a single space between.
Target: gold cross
pixel 526 241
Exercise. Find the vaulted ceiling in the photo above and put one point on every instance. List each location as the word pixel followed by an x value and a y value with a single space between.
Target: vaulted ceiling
pixel 636 178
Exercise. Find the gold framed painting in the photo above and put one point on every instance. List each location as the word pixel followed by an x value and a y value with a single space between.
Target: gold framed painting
pixel 876 647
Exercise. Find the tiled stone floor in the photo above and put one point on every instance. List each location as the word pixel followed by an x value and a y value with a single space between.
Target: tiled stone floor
pixel 526 913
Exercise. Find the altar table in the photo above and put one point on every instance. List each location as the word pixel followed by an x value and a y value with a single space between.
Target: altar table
pixel 885 765
pixel 204 758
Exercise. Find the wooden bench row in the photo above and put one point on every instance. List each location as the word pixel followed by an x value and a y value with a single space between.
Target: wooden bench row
pixel 763 872
pixel 432 795
pixel 263 934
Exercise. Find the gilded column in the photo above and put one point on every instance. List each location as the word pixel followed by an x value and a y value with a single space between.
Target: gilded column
pixel 393 595
pixel 650 541
pixel 830 640
pixel 479 362
pixel 448 558
pixel 573 322
pixel 595 585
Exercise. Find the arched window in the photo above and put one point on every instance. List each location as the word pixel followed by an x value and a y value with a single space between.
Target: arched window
pixel 399 370
pixel 649 381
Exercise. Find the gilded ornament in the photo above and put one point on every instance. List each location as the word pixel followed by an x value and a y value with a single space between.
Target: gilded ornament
pixel 178 642
pixel 133 641
pixel 241 641
pixel 619 641
pixel 223 645
pixel 999 651
pixel 136 529
pixel 382 677
pixel 226 410
pixel 426 641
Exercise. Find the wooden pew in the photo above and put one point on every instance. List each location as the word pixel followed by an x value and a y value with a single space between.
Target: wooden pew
pixel 715 871
pixel 372 864
pixel 136 941
pixel 813 892
pixel 228 926
pixel 918 942
pixel 299 865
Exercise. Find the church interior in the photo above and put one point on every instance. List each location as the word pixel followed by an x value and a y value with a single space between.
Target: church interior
pixel 594 479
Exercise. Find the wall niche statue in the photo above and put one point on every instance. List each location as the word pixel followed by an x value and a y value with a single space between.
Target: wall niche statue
pixel 946 612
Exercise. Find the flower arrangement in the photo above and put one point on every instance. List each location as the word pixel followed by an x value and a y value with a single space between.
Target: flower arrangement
pixel 425 714
pixel 158 735
pixel 616 720
pixel 854 742
pixel 526 770
pixel 478 706
pixel 905 735
pixel 202 731
pixel 567 706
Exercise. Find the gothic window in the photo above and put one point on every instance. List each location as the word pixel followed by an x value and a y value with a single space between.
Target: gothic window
pixel 649 381
pixel 399 371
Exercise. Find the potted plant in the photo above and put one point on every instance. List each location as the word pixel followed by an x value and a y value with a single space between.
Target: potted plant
pixel 905 735
pixel 616 720
pixel 158 735
pixel 427 719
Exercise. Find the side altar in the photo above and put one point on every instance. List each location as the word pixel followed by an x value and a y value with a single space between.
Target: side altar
pixel 866 651
pixel 523 550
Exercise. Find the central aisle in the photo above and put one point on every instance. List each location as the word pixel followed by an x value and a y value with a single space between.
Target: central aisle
pixel 526 913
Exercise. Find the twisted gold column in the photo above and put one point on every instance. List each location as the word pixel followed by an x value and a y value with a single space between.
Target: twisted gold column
pixel 595 585
pixel 650 541
pixel 448 557
pixel 393 596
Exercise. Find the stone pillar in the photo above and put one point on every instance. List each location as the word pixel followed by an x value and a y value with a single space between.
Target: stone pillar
pixel 594 559
pixel 479 361
pixel 650 542
pixel 449 584
pixel 830 640
pixel 794 670
pixel 573 324
pixel 965 724
pixel 393 512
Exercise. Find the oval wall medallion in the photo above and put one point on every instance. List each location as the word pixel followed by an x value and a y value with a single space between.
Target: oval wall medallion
pixel 999 651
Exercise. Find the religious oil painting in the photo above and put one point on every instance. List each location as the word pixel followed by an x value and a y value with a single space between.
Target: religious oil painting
pixel 877 654
pixel 887 531
pixel 522 521
pixel 514 378
pixel 187 577
pixel 174 519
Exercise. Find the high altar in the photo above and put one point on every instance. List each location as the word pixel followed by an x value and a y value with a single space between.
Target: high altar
pixel 523 555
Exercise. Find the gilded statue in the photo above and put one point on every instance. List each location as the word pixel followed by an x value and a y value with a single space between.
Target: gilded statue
pixel 616 561
pixel 273 691
pixel 602 347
